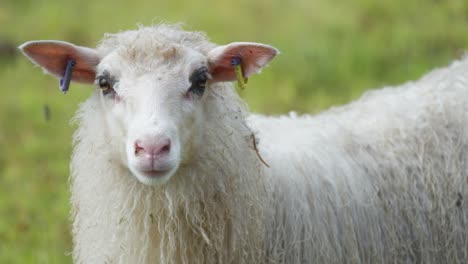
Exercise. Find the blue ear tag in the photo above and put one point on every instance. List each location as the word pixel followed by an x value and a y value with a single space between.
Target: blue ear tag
pixel 65 80
pixel 241 80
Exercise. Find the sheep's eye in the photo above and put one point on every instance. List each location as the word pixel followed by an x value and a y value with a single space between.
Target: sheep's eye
pixel 198 80
pixel 104 85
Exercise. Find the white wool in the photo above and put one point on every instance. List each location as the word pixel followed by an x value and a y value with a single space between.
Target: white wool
pixel 381 180
pixel 206 213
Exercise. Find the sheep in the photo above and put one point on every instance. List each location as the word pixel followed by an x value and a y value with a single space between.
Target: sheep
pixel 169 166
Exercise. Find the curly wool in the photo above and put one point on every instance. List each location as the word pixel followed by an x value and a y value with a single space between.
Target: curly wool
pixel 381 180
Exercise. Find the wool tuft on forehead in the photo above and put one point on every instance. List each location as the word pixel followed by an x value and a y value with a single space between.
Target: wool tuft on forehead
pixel 154 41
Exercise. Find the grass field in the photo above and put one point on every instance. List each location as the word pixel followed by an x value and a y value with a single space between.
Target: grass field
pixel 332 51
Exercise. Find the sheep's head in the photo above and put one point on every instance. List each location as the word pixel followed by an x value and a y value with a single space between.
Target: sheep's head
pixel 152 92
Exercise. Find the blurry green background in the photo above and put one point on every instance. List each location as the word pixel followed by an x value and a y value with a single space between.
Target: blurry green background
pixel 332 51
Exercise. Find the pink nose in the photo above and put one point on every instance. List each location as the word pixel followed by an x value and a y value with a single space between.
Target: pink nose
pixel 154 149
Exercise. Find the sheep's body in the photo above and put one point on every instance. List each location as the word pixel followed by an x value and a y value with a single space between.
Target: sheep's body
pixel 382 180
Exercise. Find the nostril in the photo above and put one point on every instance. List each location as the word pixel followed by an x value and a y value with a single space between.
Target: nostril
pixel 164 148
pixel 138 147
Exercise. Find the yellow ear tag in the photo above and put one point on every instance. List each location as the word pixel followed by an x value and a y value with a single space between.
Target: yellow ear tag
pixel 241 80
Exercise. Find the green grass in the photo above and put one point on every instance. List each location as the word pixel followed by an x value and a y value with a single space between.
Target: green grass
pixel 332 51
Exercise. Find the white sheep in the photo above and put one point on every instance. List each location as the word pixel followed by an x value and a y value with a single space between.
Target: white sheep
pixel 166 168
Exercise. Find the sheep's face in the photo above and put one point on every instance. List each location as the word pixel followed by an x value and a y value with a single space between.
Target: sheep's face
pixel 152 96
pixel 154 108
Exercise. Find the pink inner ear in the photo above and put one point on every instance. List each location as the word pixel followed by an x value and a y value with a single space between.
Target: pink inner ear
pixel 53 56
pixel 253 57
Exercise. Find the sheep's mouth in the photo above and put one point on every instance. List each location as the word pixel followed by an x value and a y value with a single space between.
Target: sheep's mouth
pixel 155 173
pixel 154 176
pixel 152 172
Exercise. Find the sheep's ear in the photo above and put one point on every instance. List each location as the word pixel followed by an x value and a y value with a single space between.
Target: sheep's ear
pixel 52 57
pixel 252 56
